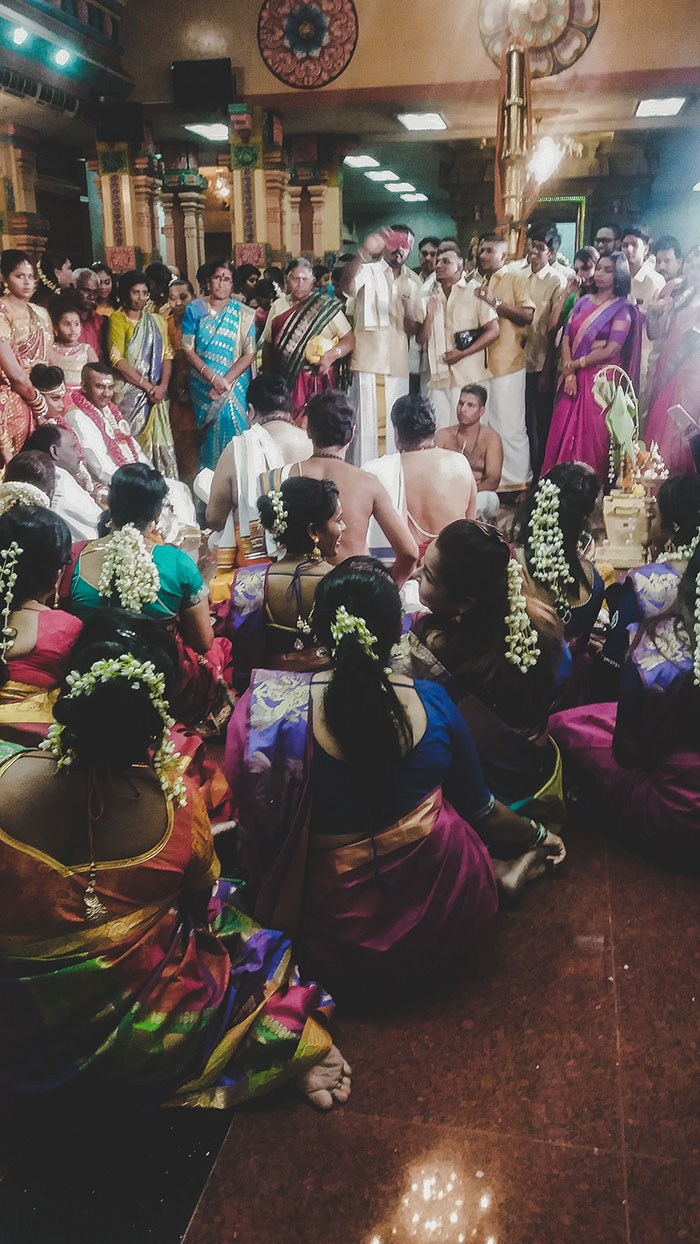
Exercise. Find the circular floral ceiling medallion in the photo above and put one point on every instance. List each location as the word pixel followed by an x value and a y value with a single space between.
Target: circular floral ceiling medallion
pixel 307 44
pixel 556 32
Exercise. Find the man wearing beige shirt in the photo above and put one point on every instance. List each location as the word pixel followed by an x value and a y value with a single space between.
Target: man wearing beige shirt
pixel 508 293
pixel 545 280
pixel 450 310
pixel 387 308
pixel 647 285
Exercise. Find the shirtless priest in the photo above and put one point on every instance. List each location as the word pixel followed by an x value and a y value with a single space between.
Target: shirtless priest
pixel 331 425
pixel 481 446
pixel 271 440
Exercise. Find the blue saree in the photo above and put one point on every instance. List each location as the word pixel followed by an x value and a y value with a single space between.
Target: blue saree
pixel 219 339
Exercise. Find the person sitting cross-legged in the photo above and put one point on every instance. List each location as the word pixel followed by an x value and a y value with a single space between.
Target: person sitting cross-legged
pixel 481 446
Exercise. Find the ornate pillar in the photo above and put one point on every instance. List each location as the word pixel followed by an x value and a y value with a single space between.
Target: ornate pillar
pixel 292 234
pixel 317 195
pixel 144 216
pixel 192 203
pixel 276 182
pixel 258 181
pixel 167 198
pixel 20 225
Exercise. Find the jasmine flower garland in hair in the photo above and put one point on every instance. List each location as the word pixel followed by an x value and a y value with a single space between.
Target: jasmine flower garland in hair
pixel 696 635
pixel 279 526
pixel 685 552
pixel 8 578
pixel 349 624
pixel 549 564
pixel 521 638
pixel 129 570
pixel 142 673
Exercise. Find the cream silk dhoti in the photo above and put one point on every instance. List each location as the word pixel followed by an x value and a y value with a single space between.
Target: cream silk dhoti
pixel 505 413
pixel 373 397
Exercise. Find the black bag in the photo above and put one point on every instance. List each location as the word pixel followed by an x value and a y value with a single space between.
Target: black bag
pixel 467 337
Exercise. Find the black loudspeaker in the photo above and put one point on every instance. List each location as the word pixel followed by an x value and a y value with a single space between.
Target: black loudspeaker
pixel 203 85
pixel 120 123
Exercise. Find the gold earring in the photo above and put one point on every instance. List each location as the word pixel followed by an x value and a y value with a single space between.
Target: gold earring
pixel 316 555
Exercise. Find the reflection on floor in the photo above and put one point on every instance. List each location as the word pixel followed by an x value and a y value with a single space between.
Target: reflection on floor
pixel 551 1095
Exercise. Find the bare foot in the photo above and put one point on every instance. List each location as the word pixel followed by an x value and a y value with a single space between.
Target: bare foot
pixel 326 1082
pixel 513 875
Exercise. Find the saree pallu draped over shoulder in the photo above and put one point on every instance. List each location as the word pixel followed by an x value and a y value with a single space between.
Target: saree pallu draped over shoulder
pixel 219 339
pixel 292 331
pixel 148 422
pixel 176 998
pixel 437 886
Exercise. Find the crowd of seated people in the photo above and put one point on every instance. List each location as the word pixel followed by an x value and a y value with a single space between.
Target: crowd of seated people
pixel 272 604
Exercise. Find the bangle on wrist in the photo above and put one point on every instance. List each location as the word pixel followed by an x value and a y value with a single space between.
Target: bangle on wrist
pixel 538 836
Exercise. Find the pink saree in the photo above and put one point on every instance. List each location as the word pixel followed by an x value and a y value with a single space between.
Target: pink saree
pixel 676 383
pixel 578 432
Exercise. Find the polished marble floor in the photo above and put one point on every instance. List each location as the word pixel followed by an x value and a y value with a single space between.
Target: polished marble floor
pixel 550 1096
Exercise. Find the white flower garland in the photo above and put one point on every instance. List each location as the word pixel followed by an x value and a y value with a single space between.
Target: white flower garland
pixel 349 624
pixel 685 552
pixel 696 635
pixel 549 564
pixel 141 673
pixel 129 569
pixel 8 578
pixel 279 526
pixel 12 494
pixel 521 638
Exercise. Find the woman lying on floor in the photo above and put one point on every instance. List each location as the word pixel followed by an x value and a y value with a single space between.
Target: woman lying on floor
pixel 473 589
pixel 130 978
pixel 363 811
pixel 638 761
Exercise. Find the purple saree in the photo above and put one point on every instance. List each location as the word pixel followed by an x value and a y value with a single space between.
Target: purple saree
pixel 578 432
pixel 437 884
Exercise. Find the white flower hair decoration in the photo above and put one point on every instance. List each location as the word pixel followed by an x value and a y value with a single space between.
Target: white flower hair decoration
pixel 129 570
pixel 349 624
pixel 12 494
pixel 279 526
pixel 685 552
pixel 8 578
pixel 549 564
pixel 140 673
pixel 696 635
pixel 521 638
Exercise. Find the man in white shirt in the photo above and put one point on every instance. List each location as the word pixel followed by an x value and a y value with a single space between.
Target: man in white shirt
pixel 545 279
pixel 74 505
pixel 647 285
pixel 453 308
pixel 387 308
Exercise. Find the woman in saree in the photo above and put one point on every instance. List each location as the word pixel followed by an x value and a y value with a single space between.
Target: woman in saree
pixel 140 353
pixel 604 327
pixel 269 618
pixel 25 339
pixel 473 591
pixel 182 420
pixel 677 378
pixel 364 819
pixel 35 647
pixel 636 763
pixel 218 338
pixel 107 300
pixel 551 536
pixel 648 591
pixel 130 976
pixel 55 273
pixel 305 342
pixel 128 568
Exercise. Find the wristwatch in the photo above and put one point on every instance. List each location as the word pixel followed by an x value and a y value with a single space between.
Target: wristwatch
pixel 498 302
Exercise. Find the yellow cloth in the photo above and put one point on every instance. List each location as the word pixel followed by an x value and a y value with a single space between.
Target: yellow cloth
pixel 507 355
pixel 544 288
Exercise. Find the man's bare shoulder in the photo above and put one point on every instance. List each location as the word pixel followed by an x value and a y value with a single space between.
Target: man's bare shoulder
pixel 489 436
pixel 447 437
pixel 448 464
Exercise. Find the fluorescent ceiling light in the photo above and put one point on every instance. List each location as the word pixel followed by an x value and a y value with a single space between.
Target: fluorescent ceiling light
pixel 62 56
pixel 422 121
pixel 399 186
pixel 415 198
pixel 216 133
pixel 660 107
pixel 20 35
pixel 382 174
pixel 361 161
pixel 696 186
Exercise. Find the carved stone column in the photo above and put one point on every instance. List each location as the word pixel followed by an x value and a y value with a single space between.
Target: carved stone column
pixel 144 222
pixel 292 235
pixel 276 181
pixel 317 195
pixel 168 229
pixel 192 203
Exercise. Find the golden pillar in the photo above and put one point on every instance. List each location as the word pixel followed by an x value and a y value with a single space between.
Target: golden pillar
pixel 20 224
pixel 513 145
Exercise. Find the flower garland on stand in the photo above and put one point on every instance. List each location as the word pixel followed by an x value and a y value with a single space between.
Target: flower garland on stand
pixel 549 564
pixel 521 638
pixel 129 570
